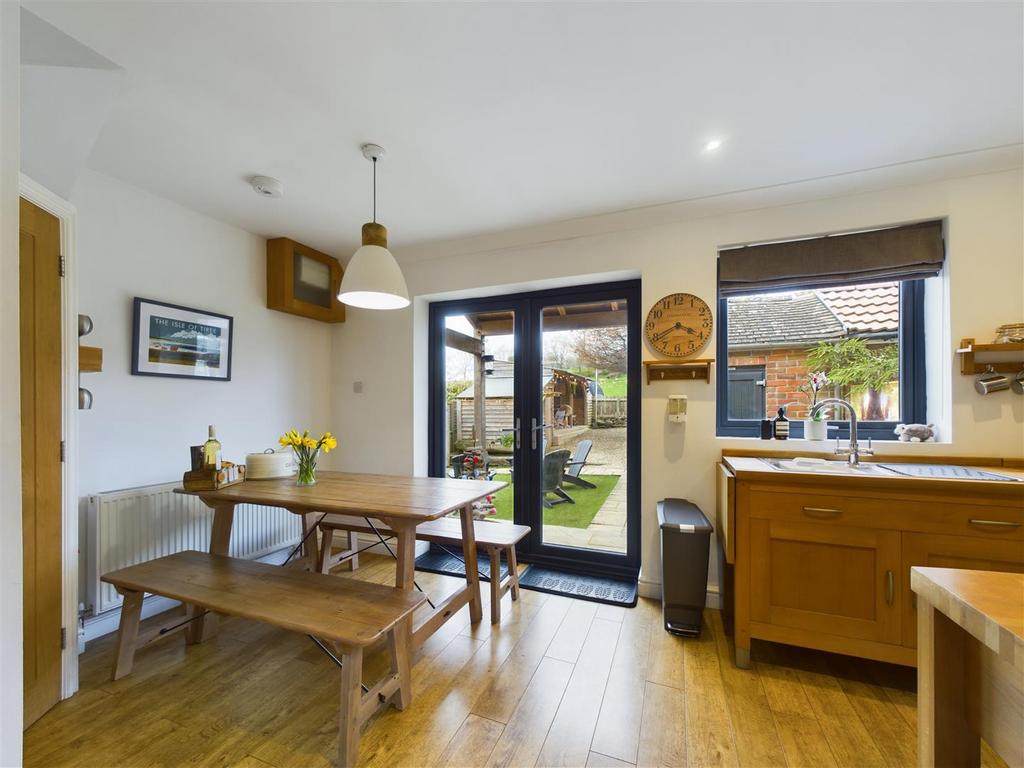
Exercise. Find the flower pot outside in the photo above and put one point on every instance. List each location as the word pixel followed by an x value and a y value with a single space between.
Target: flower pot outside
pixel 815 430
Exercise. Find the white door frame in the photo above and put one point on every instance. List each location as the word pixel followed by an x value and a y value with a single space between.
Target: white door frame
pixel 39 195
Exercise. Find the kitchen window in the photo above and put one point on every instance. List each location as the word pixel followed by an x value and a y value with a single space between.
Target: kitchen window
pixel 789 310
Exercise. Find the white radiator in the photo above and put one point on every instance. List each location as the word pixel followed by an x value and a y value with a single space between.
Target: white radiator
pixel 138 524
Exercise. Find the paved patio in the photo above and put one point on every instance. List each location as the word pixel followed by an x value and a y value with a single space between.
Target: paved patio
pixel 607 530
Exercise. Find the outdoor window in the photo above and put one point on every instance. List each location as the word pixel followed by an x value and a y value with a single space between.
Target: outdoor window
pixel 789 312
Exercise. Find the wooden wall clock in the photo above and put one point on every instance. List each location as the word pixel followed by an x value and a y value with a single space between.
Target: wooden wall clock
pixel 679 325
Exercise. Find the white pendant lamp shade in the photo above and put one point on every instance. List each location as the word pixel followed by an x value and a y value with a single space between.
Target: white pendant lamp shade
pixel 372 278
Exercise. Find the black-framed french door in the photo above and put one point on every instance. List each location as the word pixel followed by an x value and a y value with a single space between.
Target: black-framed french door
pixel 541 390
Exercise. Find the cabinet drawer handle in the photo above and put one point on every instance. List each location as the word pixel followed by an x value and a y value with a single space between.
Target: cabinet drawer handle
pixel 1000 523
pixel 890 588
pixel 822 511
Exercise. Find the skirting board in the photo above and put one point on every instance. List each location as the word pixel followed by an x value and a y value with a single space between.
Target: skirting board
pixel 98 626
pixel 652 589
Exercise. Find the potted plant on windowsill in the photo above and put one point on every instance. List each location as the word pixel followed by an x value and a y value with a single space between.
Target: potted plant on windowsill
pixel 816 426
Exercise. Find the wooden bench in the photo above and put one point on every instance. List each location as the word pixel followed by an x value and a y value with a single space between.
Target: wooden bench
pixel 491 537
pixel 349 614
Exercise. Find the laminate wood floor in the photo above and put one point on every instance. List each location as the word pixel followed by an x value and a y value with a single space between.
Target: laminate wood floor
pixel 560 682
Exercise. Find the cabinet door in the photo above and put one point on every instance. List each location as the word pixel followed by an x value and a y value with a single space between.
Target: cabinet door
pixel 937 551
pixel 819 577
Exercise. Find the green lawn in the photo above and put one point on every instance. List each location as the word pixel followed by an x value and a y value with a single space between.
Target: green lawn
pixel 578 515
pixel 613 385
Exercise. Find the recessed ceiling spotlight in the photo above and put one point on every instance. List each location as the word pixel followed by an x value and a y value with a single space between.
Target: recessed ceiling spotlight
pixel 265 186
pixel 712 145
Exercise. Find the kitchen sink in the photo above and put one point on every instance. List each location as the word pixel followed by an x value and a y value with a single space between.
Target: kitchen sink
pixel 827 467
pixel 817 466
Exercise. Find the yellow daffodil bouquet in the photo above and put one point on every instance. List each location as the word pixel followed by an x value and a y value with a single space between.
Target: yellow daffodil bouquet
pixel 307 451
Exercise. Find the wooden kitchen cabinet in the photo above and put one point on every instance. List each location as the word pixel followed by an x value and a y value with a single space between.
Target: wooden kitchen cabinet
pixel 966 552
pixel 823 561
pixel 825 578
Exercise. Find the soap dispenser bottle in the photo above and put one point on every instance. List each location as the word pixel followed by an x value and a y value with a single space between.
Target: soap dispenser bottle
pixel 780 426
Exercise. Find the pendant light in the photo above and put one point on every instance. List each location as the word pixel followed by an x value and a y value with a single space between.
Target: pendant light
pixel 372 278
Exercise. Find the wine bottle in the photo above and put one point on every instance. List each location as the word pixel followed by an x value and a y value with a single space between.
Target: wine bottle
pixel 211 451
pixel 781 425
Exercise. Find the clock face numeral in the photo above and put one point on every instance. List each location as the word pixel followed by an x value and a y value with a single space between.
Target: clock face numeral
pixel 679 325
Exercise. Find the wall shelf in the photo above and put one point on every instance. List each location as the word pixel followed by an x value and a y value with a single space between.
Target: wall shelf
pixel 1010 357
pixel 679 370
pixel 90 359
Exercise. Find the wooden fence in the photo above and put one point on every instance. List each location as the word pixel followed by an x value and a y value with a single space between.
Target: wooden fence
pixel 500 422
pixel 609 408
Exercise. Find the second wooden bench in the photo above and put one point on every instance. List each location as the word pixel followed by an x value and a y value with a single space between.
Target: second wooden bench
pixel 348 613
pixel 494 538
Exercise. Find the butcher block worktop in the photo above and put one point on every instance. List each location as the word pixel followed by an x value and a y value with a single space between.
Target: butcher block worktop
pixel 970 665
pixel 990 606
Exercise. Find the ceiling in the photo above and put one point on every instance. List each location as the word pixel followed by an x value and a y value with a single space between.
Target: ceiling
pixel 498 116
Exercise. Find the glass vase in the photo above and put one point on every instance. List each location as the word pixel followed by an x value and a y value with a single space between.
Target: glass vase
pixel 307 472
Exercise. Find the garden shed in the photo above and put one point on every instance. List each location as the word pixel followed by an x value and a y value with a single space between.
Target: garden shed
pixel 567 403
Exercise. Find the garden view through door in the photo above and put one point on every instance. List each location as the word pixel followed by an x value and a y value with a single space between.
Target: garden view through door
pixel 539 391
pixel 582 424
pixel 481 412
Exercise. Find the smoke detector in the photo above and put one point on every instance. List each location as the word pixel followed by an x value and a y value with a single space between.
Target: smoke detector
pixel 265 186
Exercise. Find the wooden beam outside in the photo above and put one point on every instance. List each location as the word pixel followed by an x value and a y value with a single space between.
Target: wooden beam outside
pixel 480 404
pixel 463 342
pixel 559 323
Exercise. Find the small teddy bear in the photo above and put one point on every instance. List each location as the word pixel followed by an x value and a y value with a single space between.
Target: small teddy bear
pixel 915 433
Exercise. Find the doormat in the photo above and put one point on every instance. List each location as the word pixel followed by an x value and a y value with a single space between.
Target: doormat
pixel 436 560
pixel 599 589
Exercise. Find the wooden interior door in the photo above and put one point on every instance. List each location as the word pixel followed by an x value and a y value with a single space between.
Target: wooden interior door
pixel 833 579
pixel 937 551
pixel 41 456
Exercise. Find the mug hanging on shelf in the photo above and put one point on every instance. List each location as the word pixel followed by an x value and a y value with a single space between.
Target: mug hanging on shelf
pixel 1018 383
pixel 990 382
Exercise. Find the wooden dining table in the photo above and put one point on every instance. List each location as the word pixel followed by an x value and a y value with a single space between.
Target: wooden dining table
pixel 391 504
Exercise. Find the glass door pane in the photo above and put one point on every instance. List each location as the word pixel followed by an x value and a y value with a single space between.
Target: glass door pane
pixel 582 426
pixel 480 414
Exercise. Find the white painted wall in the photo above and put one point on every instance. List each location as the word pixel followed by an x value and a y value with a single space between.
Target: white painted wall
pixel 132 243
pixel 384 428
pixel 54 149
pixel 10 449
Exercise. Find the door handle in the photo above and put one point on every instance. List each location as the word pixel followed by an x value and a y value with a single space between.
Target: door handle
pixel 890 588
pixel 999 523
pixel 534 426
pixel 822 511
pixel 517 431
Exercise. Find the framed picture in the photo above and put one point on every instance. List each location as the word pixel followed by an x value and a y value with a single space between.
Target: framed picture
pixel 184 343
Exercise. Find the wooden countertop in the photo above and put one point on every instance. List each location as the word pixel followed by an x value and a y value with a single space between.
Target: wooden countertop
pixel 752 468
pixel 988 605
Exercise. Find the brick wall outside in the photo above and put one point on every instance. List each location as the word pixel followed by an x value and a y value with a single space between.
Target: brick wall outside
pixel 786 370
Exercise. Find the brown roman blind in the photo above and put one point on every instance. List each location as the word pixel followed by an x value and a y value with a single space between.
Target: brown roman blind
pixel 897 253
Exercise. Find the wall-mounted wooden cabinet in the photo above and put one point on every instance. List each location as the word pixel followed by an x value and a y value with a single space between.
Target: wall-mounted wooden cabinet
pixel 303 281
pixel 824 562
